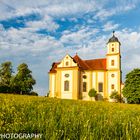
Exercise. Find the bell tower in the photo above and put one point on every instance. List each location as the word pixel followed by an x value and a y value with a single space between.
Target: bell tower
pixel 113 58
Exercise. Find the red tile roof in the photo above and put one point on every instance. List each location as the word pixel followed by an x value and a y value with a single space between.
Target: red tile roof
pixel 94 64
pixel 54 66
pixel 80 62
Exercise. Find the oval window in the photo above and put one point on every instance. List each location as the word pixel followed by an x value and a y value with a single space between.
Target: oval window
pixel 84 76
pixel 66 75
pixel 112 75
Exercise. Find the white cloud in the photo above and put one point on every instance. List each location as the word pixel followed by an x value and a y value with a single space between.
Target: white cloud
pixel 118 8
pixel 72 7
pixel 129 38
pixel 46 23
pixel 82 36
pixel 54 8
pixel 103 14
pixel 61 8
pixel 134 62
pixel 109 26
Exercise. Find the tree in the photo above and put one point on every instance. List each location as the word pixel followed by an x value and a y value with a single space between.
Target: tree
pixel 131 89
pixel 92 93
pixel 14 85
pixel 5 77
pixel 23 81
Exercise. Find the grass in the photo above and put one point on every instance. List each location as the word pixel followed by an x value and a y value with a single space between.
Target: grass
pixel 68 119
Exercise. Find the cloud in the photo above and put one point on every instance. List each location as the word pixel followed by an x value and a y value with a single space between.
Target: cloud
pixel 109 26
pixel 57 8
pixel 8 11
pixel 117 8
pixel 54 8
pixel 72 7
pixel 103 14
pixel 81 36
pixel 130 39
pixel 46 23
pixel 134 62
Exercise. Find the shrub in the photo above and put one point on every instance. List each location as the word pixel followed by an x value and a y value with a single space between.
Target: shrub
pixel 33 93
pixel 115 95
pixel 92 92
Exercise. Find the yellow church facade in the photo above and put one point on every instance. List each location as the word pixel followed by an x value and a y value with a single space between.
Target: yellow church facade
pixel 73 77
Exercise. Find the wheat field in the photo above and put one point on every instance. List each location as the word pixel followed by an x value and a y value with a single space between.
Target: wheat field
pixel 59 119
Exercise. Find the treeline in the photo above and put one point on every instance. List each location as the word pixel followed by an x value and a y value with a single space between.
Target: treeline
pixel 20 83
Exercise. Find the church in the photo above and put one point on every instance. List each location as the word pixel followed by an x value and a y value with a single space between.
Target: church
pixel 73 77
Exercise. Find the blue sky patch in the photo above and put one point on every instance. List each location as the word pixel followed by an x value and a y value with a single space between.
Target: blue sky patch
pixel 19 22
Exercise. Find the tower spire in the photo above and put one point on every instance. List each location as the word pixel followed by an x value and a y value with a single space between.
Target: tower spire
pixel 113 33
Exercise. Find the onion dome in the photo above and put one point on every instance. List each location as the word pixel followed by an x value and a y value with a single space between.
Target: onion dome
pixel 114 39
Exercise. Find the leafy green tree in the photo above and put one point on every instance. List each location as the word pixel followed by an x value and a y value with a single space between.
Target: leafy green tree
pixel 5 77
pixel 23 81
pixel 14 85
pixel 92 92
pixel 131 89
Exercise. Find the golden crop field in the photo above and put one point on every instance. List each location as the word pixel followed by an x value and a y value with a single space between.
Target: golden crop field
pixel 59 119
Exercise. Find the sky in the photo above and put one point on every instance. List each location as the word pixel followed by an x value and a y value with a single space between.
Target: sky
pixel 40 32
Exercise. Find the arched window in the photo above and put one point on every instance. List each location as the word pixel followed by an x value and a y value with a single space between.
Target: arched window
pixel 112 86
pixel 84 86
pixel 112 49
pixel 100 87
pixel 67 63
pixel 66 85
pixel 112 62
